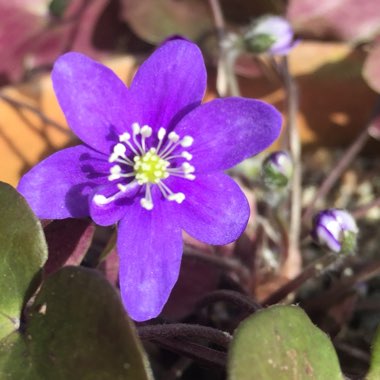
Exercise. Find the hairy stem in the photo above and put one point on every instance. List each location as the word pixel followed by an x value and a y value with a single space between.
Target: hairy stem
pixel 184 330
pixel 310 271
pixel 240 300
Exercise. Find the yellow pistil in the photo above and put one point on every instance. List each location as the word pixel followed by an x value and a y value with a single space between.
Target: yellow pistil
pixel 150 168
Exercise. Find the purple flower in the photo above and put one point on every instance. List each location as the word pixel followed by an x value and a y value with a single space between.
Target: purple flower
pixel 152 161
pixel 270 34
pixel 335 229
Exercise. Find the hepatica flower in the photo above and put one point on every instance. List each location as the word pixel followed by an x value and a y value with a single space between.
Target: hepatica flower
pixel 152 161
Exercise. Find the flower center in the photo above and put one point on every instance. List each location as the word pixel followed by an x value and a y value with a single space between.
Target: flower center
pixel 134 163
pixel 150 168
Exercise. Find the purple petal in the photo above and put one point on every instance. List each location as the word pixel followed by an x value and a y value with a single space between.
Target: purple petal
pixel 93 99
pixel 226 131
pixel 215 210
pixel 150 249
pixel 59 186
pixel 168 84
pixel 110 213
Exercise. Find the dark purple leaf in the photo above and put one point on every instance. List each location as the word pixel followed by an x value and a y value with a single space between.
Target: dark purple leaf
pixel 196 279
pixel 68 241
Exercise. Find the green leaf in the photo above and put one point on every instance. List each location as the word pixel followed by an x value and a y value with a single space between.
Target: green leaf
pixel 23 252
pixel 77 329
pixel 374 369
pixel 281 343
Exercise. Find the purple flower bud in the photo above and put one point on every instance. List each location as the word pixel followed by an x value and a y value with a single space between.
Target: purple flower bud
pixel 269 34
pixel 335 229
pixel 277 169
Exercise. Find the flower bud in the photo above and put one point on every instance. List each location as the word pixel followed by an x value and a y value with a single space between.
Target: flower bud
pixel 269 34
pixel 277 170
pixel 335 229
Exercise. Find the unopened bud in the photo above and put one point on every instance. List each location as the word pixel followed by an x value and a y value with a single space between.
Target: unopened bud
pixel 269 34
pixel 277 170
pixel 336 229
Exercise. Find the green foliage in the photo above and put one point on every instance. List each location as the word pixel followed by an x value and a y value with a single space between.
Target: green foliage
pixel 374 370
pixel 23 252
pixel 281 343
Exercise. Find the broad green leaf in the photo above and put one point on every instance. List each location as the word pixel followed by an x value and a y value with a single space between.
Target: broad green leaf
pixel 23 252
pixel 15 360
pixel 281 343
pixel 77 329
pixel 374 369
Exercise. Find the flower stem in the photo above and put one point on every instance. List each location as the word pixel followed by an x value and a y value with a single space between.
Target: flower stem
pixel 293 261
pixel 194 351
pixel 243 302
pixel 362 210
pixel 310 271
pixel 184 330
pixel 227 55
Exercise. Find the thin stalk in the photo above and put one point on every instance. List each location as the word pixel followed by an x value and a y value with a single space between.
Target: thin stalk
pixel 230 296
pixel 194 351
pixel 295 150
pixel 309 272
pixel 336 172
pixel 227 54
pixel 184 330
pixel 344 162
pixel 362 210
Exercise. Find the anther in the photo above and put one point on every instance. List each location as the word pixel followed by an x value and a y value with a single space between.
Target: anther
pixel 136 128
pixel 146 131
pixel 173 137
pixel 187 141
pixel 187 155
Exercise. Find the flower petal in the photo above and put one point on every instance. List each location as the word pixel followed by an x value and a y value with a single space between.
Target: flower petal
pixel 93 99
pixel 108 213
pixel 226 131
pixel 168 84
pixel 215 210
pixel 150 249
pixel 59 186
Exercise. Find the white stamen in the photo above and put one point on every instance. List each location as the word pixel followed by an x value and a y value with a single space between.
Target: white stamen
pixel 124 137
pixel 161 133
pixel 187 155
pixel 115 172
pixel 173 137
pixel 147 204
pixel 122 188
pixel 136 128
pixel 187 141
pixel 177 197
pixel 101 200
pixel 146 131
pixel 187 168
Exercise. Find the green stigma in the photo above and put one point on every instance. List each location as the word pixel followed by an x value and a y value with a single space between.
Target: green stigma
pixel 150 167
